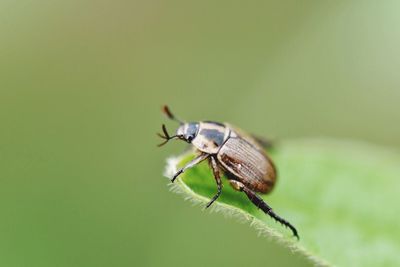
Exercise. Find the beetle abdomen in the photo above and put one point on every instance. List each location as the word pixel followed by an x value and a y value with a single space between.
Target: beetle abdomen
pixel 247 164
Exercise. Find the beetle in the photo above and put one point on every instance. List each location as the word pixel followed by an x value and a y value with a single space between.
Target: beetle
pixel 229 150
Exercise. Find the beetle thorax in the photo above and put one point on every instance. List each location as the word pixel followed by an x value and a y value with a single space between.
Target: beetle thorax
pixel 210 137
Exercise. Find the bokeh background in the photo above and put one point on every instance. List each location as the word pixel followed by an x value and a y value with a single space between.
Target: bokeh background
pixel 81 86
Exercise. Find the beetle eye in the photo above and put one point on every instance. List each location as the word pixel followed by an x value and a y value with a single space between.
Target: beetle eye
pixel 190 138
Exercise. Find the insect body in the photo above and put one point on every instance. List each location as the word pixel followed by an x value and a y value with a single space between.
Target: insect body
pixel 241 157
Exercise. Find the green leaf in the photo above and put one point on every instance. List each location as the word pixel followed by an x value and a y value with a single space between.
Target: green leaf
pixel 341 196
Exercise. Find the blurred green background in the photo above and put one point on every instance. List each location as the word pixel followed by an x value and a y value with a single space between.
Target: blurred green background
pixel 81 86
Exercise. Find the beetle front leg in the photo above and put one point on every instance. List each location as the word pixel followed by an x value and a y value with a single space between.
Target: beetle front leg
pixel 217 177
pixel 260 203
pixel 191 164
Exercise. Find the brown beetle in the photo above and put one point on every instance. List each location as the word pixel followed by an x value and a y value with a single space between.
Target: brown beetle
pixel 241 157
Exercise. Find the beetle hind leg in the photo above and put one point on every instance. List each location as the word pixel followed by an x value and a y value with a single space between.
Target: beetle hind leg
pixel 260 203
pixel 217 177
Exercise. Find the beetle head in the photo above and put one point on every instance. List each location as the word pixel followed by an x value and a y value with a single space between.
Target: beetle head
pixel 186 131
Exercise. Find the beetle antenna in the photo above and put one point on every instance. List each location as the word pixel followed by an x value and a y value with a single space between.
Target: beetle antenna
pixel 165 131
pixel 169 114
pixel 166 136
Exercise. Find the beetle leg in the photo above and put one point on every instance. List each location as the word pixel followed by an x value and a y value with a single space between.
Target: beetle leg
pixel 260 203
pixel 191 164
pixel 217 177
